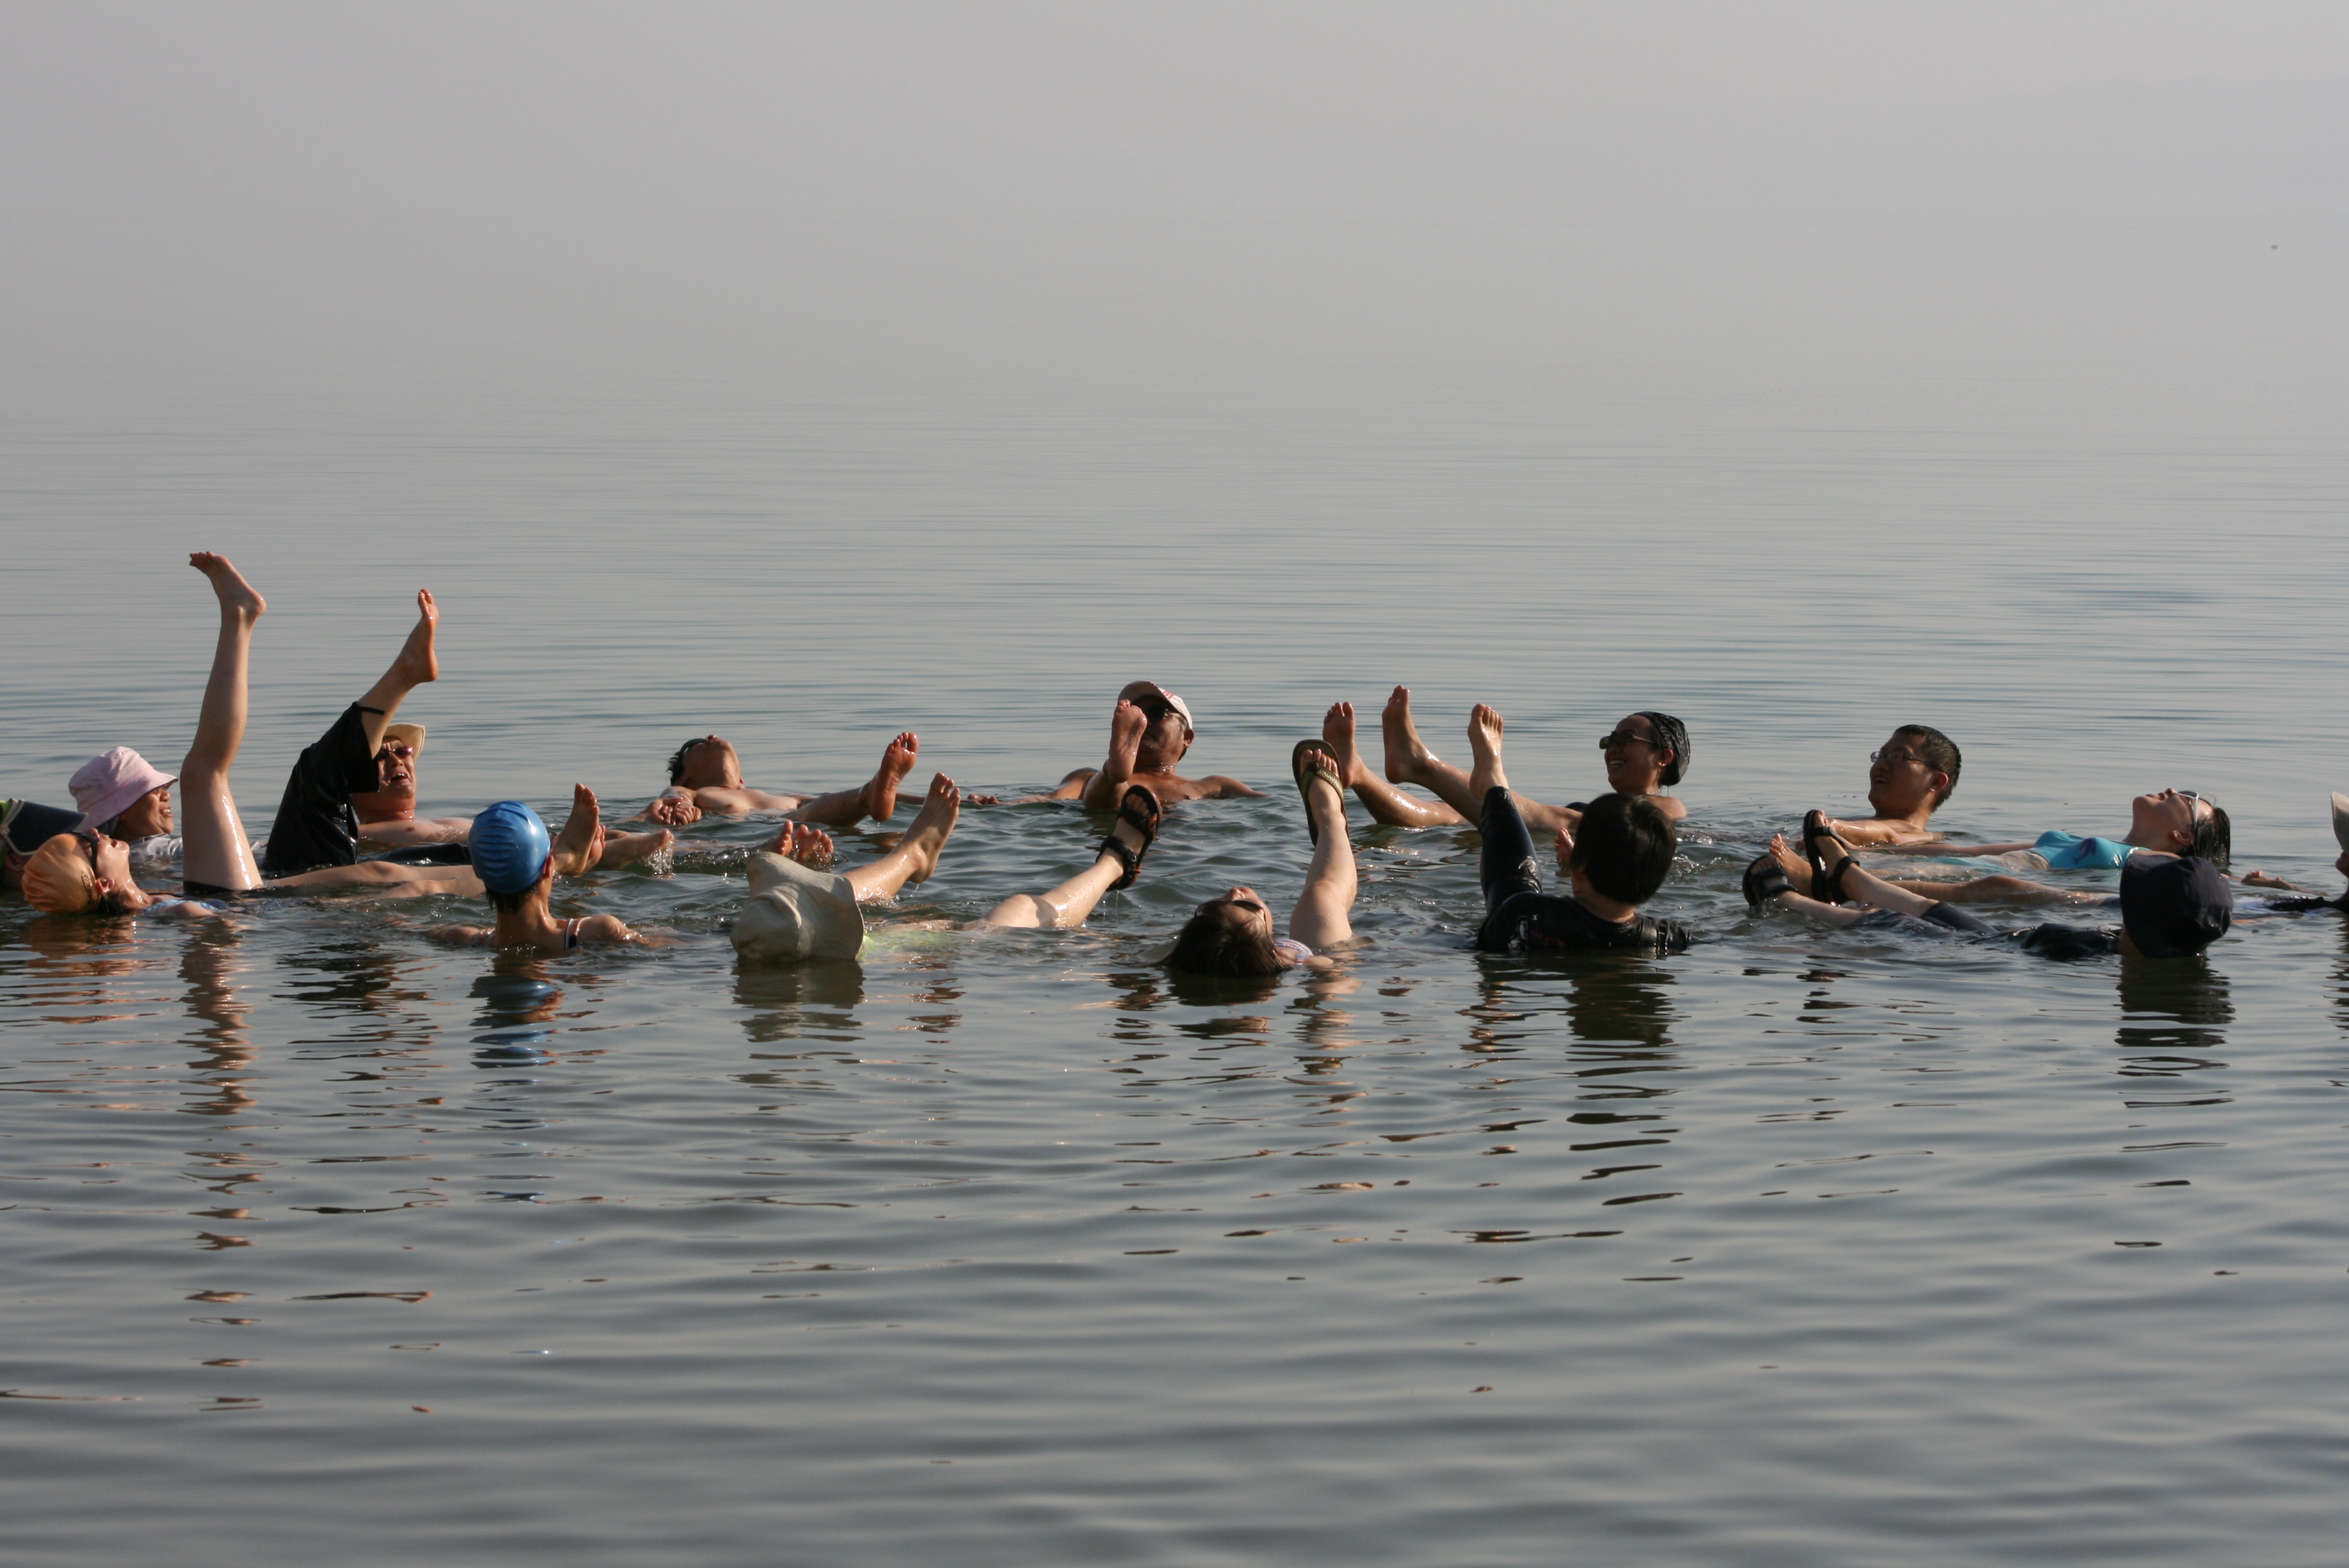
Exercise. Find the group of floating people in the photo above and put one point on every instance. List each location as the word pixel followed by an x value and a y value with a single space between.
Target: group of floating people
pixel 348 821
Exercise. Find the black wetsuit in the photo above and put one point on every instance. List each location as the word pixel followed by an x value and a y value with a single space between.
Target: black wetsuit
pixel 316 825
pixel 1521 918
pixel 2049 941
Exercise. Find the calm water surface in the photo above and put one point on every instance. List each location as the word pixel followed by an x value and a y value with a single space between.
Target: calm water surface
pixel 1002 1248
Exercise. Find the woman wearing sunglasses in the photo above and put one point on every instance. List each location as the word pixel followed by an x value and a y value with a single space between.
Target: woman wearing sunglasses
pixel 1645 754
pixel 88 873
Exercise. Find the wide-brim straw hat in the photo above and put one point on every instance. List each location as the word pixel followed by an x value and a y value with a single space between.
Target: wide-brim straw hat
pixel 794 913
pixel 413 734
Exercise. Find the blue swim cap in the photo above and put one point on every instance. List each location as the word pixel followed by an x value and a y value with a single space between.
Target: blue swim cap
pixel 510 847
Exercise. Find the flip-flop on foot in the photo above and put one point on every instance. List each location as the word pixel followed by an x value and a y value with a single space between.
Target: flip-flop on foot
pixel 1308 760
pixel 1140 810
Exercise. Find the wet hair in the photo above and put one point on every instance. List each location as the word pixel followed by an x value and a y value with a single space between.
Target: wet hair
pixel 676 758
pixel 1940 755
pixel 1671 732
pixel 511 902
pixel 1210 943
pixel 2214 837
pixel 1625 846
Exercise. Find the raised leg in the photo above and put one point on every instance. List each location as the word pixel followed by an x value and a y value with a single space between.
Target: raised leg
pixel 1409 761
pixel 579 844
pixel 875 797
pixel 1323 916
pixel 418 662
pixel 1386 803
pixel 1107 787
pixel 917 855
pixel 215 848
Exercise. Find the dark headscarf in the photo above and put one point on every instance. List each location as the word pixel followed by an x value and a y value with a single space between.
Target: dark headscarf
pixel 1670 732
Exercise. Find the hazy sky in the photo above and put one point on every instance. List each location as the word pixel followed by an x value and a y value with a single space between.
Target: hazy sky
pixel 226 183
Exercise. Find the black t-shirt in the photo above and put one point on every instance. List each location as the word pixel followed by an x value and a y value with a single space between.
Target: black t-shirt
pixel 316 825
pixel 1554 922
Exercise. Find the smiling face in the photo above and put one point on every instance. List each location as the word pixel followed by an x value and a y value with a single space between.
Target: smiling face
pixel 148 815
pixel 1635 763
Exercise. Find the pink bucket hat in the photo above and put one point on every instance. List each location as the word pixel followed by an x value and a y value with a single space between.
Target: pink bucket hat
pixel 111 782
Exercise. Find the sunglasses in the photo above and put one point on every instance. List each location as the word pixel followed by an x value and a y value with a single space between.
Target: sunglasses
pixel 1153 710
pixel 1624 737
pixel 2194 802
pixel 88 837
pixel 1898 756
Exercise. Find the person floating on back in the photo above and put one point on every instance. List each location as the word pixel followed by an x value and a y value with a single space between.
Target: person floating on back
pixel 1646 754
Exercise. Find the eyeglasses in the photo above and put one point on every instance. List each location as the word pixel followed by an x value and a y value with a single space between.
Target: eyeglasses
pixel 1622 738
pixel 1898 756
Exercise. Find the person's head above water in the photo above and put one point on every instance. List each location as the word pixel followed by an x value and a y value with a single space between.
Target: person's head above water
pixel 1623 849
pixel 1230 933
pixel 1170 728
pixel 1645 753
pixel 395 763
pixel 706 762
pixel 2182 823
pixel 1917 768
pixel 512 852
pixel 82 872
pixel 121 792
pixel 2174 906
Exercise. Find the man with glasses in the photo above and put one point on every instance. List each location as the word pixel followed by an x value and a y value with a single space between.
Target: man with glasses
pixel 1908 779
pixel 1149 731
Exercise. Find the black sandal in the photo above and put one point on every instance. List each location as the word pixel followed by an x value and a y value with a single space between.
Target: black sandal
pixel 1824 888
pixel 1141 809
pixel 1765 879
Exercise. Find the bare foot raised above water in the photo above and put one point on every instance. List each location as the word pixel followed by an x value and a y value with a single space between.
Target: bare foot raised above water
pixel 419 660
pixel 805 843
pixel 237 596
pixel 1484 740
pixel 579 843
pixel 896 761
pixel 627 848
pixel 1338 734
pixel 931 827
pixel 1126 724
pixel 1407 754
pixel 1790 861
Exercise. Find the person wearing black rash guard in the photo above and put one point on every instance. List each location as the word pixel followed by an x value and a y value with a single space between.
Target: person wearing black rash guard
pixel 1616 860
pixel 2172 906
pixel 316 825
